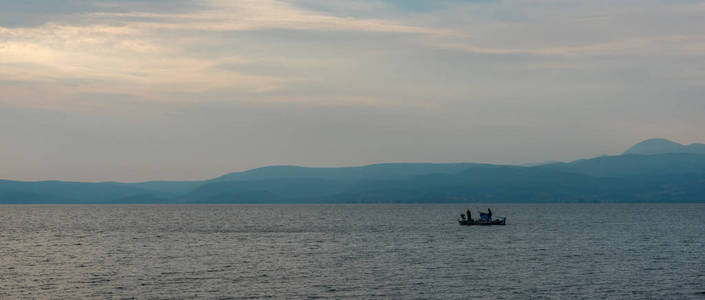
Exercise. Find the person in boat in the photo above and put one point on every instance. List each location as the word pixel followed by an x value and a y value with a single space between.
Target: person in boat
pixel 489 215
pixel 468 214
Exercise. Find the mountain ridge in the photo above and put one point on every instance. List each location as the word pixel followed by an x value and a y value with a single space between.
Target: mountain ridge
pixel 663 146
pixel 629 177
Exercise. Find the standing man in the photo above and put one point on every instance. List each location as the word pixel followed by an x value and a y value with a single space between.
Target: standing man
pixel 489 215
pixel 468 214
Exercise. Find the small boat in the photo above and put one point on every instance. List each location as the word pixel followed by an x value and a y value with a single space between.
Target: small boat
pixel 501 221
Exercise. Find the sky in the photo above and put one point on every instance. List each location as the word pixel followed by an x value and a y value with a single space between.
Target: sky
pixel 95 90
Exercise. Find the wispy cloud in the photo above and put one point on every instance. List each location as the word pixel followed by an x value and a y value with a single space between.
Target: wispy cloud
pixel 156 55
pixel 670 45
pixel 364 81
pixel 147 53
pixel 254 15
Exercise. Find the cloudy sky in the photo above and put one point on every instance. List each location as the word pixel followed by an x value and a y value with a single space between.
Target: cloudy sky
pixel 140 90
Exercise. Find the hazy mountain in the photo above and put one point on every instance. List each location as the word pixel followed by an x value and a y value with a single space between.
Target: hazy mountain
pixel 632 164
pixel 622 178
pixel 376 171
pixel 265 190
pixel 664 171
pixel 88 192
pixel 168 189
pixel 661 146
pixel 536 164
pixel 496 184
pixel 533 184
pixel 67 192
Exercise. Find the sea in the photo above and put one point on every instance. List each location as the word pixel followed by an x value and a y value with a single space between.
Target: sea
pixel 416 251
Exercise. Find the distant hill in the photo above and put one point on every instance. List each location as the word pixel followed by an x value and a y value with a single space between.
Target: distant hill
pixel 661 146
pixel 633 164
pixel 376 171
pixel 275 190
pixel 66 192
pixel 532 184
pixel 655 170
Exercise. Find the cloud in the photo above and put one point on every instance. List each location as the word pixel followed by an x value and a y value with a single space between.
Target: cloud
pixel 252 49
pixel 119 59
pixel 404 80
pixel 670 45
pixel 256 15
pixel 151 54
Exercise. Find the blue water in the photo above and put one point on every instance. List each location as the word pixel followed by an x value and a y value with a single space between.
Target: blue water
pixel 369 251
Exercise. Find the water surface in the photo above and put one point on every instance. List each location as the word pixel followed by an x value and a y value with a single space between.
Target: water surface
pixel 392 251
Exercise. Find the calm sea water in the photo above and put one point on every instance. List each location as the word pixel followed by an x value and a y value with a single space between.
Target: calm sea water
pixel 369 251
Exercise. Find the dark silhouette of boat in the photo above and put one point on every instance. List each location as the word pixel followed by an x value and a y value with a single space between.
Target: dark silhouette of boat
pixel 501 221
pixel 484 220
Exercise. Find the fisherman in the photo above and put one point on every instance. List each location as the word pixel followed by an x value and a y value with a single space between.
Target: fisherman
pixel 489 215
pixel 468 214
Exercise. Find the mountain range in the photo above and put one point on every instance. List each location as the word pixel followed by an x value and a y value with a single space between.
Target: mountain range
pixel 655 170
pixel 661 146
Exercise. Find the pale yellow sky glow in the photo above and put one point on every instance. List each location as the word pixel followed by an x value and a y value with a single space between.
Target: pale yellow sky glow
pixel 117 54
pixel 231 85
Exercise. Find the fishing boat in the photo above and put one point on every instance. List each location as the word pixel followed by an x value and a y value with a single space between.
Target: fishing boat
pixel 483 220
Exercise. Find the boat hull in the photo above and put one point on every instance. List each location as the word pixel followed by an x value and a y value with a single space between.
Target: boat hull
pixel 502 221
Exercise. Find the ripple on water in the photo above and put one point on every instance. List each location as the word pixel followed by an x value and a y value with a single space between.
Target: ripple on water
pixel 350 251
